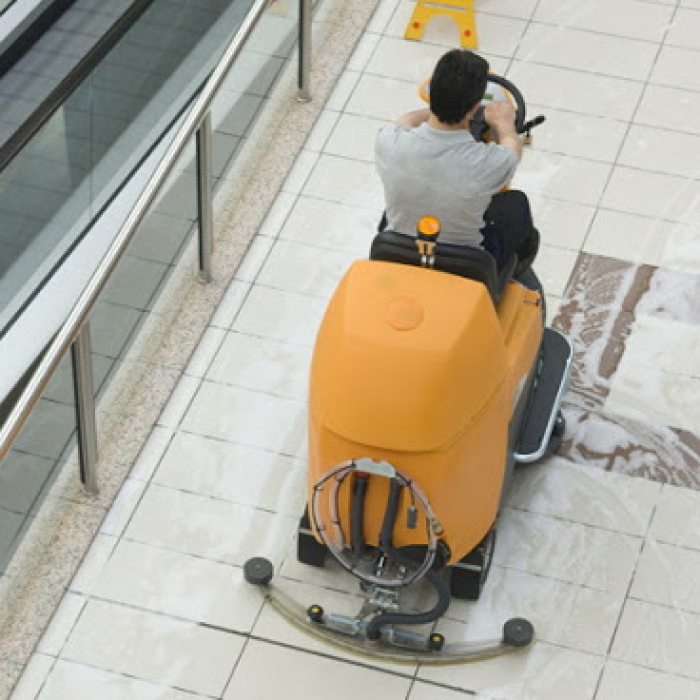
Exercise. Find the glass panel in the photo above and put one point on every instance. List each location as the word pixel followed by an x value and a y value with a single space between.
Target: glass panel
pixel 4 4
pixel 36 459
pixel 86 151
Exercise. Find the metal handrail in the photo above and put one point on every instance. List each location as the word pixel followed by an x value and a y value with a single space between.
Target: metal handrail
pixel 79 315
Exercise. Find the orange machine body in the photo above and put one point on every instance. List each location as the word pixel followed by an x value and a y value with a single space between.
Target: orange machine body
pixel 418 368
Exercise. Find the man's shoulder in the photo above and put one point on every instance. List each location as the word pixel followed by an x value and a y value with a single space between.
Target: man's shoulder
pixel 393 137
pixel 392 130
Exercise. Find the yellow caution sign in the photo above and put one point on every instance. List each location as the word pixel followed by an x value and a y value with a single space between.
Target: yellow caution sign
pixel 461 11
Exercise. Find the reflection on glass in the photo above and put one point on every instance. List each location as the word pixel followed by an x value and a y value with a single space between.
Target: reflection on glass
pixel 72 167
pixel 81 156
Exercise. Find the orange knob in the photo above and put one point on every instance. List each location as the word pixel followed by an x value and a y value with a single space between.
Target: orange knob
pixel 429 226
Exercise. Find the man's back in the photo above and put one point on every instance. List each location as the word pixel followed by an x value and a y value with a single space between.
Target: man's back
pixel 447 174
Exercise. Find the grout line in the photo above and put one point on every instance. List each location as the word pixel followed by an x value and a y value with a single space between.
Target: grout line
pixel 621 147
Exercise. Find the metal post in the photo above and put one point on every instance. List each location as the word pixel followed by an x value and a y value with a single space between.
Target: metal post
pixel 85 408
pixel 205 198
pixel 304 93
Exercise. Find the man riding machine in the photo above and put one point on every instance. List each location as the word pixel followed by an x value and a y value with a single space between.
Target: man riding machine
pixel 432 377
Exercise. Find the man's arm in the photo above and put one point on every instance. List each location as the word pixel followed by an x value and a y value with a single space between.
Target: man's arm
pixel 414 119
pixel 500 116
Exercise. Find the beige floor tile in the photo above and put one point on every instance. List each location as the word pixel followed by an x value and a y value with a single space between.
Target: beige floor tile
pixel 331 225
pixel 189 588
pixel 153 648
pixel 542 672
pixel 73 681
pixel 566 551
pixel 685 28
pixel 572 90
pixel 668 575
pixel 305 269
pixel 561 489
pixel 587 51
pixel 273 313
pixel 677 518
pixel 675 154
pixel 627 18
pixel 658 637
pixel 197 525
pixel 302 676
pixel 261 364
pixel 218 469
pixel 623 681
pixel 677 67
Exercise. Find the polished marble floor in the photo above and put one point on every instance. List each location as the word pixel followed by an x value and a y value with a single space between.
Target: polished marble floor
pixel 599 547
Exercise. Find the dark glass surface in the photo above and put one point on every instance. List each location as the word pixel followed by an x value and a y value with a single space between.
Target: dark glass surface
pixel 77 161
pixel 85 151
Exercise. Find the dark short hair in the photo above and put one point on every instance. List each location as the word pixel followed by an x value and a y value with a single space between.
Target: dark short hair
pixel 458 83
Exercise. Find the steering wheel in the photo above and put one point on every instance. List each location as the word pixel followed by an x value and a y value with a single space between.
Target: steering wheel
pixel 478 126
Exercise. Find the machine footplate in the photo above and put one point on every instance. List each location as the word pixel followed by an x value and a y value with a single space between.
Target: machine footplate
pixel 551 383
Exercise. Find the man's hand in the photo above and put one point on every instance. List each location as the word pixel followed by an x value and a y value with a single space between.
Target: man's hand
pixel 500 116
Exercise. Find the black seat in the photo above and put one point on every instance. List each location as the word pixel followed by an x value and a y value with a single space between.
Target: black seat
pixel 465 261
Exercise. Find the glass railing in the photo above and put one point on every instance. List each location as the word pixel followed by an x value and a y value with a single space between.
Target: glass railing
pixel 78 178
pixel 4 4
pixel 71 168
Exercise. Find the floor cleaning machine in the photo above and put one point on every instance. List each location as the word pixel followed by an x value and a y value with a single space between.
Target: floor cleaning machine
pixel 433 376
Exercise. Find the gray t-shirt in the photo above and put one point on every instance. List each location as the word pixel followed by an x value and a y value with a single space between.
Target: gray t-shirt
pixel 447 174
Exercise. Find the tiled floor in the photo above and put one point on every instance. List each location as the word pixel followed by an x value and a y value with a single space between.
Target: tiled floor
pixel 599 547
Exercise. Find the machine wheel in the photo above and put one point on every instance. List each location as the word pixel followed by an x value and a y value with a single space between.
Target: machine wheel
pixel 258 571
pixel 469 575
pixel 557 435
pixel 309 550
pixel 518 632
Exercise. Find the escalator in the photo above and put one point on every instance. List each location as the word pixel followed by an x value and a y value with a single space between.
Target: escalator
pixel 69 174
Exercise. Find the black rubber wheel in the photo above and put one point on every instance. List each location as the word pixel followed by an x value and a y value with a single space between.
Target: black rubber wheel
pixel 258 571
pixel 309 550
pixel 518 632
pixel 436 642
pixel 315 613
pixel 467 578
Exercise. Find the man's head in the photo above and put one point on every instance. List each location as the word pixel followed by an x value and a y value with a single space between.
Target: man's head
pixel 458 85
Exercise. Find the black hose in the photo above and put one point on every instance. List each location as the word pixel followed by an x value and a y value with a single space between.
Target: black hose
pixel 357 514
pixel 386 534
pixel 374 628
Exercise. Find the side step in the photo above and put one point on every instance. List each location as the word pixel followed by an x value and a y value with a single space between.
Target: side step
pixel 550 386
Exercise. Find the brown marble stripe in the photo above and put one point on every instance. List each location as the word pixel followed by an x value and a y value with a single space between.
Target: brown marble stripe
pixel 597 313
pixel 616 443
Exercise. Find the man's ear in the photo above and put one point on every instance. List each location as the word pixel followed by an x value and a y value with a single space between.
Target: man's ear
pixel 469 115
pixel 472 111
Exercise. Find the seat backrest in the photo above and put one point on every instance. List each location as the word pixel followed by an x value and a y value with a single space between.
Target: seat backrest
pixel 465 261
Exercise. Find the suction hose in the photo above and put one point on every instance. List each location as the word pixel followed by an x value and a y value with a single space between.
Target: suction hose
pixel 357 514
pixel 374 628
